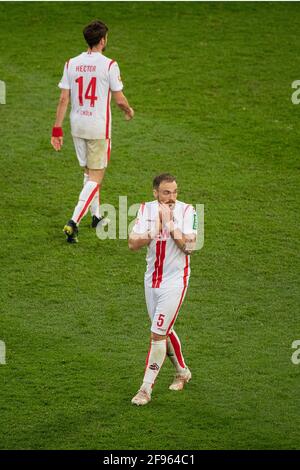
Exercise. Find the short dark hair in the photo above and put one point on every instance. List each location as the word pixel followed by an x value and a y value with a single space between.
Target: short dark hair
pixel 94 32
pixel 163 177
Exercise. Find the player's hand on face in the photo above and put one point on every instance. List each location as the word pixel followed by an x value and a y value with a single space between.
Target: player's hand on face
pixel 57 143
pixel 129 115
pixel 165 213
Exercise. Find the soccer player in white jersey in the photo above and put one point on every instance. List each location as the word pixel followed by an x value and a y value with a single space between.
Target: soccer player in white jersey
pixel 90 80
pixel 168 228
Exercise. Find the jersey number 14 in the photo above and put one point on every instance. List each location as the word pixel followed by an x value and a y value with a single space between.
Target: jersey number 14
pixel 90 93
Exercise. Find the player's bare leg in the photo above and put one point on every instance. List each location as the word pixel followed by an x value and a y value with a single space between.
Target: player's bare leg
pixel 89 191
pixel 154 362
pixel 174 352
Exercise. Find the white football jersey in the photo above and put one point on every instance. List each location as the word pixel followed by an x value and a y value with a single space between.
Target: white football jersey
pixel 91 77
pixel 167 265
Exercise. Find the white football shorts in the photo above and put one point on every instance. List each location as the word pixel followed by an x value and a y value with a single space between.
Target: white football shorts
pixel 163 305
pixel 93 154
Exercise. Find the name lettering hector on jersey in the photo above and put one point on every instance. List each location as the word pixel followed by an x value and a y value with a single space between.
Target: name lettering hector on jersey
pixel 86 68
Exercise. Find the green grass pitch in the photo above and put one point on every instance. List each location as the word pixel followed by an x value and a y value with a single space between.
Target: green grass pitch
pixel 211 87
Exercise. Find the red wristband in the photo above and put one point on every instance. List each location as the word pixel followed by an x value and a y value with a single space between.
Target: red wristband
pixel 57 132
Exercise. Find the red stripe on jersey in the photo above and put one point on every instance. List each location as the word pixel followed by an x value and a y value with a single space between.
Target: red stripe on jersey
pixel 107 115
pixel 161 265
pixel 186 270
pixel 110 64
pixel 108 107
pixel 86 206
pixel 176 313
pixel 67 63
pixel 177 350
pixel 142 207
pixel 108 151
pixel 156 264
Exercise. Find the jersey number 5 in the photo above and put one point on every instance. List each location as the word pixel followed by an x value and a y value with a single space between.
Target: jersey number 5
pixel 160 321
pixel 90 93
